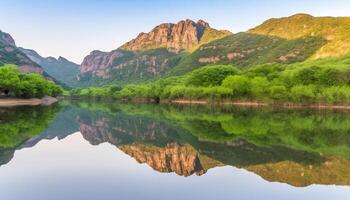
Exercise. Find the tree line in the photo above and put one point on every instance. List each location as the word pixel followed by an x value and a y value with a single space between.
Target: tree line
pixel 320 81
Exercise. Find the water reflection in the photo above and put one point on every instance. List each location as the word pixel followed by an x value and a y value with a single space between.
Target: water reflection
pixel 297 147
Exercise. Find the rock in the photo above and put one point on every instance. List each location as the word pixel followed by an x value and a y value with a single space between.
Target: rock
pixel 46 101
pixel 181 36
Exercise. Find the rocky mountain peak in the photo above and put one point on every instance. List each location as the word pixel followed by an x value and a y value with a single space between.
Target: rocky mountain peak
pixel 203 23
pixel 183 35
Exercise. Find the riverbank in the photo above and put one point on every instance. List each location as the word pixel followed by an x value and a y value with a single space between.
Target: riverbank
pixel 11 102
pixel 261 104
pixel 242 103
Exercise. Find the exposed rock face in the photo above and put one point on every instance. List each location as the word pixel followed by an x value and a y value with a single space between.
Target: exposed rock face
pixel 98 62
pixel 183 160
pixel 181 36
pixel 122 65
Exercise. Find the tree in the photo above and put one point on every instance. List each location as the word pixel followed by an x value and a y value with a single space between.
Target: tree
pixel 240 85
pixel 303 93
pixel 259 87
pixel 210 75
pixel 278 92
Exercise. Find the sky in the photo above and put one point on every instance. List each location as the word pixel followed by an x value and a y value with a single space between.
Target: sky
pixel 74 28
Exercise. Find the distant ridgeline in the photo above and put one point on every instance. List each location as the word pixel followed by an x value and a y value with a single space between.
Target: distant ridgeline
pixel 297 147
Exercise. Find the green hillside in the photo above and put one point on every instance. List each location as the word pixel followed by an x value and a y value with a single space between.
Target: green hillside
pixel 245 50
pixel 335 30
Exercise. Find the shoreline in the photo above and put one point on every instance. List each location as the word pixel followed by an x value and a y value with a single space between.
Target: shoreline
pixel 13 102
pixel 232 103
pixel 260 104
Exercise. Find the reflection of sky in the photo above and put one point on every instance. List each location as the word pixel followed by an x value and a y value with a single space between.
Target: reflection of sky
pixel 74 169
pixel 73 28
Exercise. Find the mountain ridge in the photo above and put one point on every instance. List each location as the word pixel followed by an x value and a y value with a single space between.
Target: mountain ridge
pixel 60 68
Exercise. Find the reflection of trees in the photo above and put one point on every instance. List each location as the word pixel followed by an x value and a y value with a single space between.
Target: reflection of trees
pixel 20 124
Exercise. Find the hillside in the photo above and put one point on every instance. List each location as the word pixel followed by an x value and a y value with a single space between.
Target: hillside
pixel 245 50
pixel 62 69
pixel 335 30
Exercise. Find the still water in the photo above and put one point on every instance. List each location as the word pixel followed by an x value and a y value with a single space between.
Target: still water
pixel 108 150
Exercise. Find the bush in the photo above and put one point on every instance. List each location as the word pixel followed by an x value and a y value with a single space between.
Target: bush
pixel 303 93
pixel 210 75
pixel 240 85
pixel 278 92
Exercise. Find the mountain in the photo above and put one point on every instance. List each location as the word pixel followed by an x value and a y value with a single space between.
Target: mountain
pixel 148 55
pixel 61 69
pixel 11 54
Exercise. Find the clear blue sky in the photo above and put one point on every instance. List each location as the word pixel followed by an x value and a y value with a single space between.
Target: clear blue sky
pixel 73 28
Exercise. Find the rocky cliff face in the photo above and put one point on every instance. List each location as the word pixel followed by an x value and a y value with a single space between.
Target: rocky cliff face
pixel 120 65
pixel 184 35
pixel 148 55
pixel 10 54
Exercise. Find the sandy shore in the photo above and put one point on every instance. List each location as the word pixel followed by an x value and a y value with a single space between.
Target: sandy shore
pixel 27 102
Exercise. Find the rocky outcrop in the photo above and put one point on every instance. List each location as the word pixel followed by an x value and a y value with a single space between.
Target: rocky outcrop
pixel 184 35
pixel 183 160
pixel 98 62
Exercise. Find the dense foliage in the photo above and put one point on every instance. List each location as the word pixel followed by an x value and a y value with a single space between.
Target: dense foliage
pixel 321 81
pixel 245 50
pixel 13 83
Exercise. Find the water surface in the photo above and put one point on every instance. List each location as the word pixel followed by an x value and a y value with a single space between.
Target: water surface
pixel 110 150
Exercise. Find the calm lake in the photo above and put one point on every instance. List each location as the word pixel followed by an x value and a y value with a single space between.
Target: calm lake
pixel 109 150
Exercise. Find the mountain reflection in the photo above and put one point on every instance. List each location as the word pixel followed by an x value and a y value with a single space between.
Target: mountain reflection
pixel 298 147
